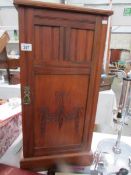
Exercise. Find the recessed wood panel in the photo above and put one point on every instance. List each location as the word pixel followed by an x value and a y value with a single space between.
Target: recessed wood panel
pixel 59 108
pixel 81 45
pixel 47 47
pixel 60 41
pixel 51 41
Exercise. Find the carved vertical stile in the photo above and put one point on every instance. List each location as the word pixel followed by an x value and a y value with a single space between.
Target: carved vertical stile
pixel 38 45
pixel 67 43
pixel 89 45
pixel 56 43
pixel 62 44
pixel 73 44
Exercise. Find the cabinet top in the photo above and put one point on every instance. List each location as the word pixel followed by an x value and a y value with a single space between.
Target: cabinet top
pixel 62 7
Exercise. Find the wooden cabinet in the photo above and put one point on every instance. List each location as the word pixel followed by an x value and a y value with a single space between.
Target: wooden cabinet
pixel 61 58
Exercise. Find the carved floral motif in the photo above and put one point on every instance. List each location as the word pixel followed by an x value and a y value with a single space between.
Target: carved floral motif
pixel 60 115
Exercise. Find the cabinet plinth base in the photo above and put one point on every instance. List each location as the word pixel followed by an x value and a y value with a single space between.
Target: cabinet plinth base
pixel 46 162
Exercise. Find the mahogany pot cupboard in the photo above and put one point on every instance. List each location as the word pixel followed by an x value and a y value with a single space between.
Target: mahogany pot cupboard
pixel 61 52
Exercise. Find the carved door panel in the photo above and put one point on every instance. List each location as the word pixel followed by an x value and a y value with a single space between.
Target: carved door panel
pixel 59 72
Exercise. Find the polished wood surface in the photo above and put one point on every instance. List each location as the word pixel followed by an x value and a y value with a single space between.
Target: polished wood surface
pixel 60 80
pixel 63 7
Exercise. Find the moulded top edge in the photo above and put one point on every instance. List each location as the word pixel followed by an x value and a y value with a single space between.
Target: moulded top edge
pixel 63 7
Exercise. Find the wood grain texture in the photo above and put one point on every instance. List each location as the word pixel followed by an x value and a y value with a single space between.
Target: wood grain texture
pixel 63 74
pixel 41 4
pixel 63 112
pixel 42 162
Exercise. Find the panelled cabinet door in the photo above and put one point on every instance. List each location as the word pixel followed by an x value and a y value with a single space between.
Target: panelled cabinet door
pixel 61 80
pixel 61 74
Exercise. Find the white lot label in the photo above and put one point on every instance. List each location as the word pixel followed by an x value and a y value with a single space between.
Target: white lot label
pixel 26 47
pixel 104 21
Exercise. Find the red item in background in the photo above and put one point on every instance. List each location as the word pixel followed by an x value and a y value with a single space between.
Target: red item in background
pixel 9 170
pixel 115 55
pixel 9 131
